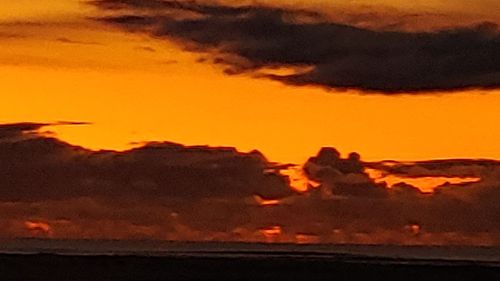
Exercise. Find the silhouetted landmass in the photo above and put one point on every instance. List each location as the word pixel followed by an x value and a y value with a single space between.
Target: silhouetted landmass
pixel 250 266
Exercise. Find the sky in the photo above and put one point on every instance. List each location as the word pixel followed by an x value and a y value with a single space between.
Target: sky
pixel 134 88
pixel 415 82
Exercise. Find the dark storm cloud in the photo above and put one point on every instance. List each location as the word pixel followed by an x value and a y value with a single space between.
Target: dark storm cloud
pixel 247 39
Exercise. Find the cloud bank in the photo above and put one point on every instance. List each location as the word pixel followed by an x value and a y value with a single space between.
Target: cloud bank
pixel 249 39
pixel 166 191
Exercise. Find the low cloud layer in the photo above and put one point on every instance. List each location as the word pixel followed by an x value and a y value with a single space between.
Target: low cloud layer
pixel 453 209
pixel 49 188
pixel 250 39
pixel 153 172
pixel 143 192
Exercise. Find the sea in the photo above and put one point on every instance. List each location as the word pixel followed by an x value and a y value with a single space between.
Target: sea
pixel 147 248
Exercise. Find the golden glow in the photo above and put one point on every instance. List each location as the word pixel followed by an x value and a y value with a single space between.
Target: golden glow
pixel 271 233
pixel 414 229
pixel 137 89
pixel 425 184
pixel 298 181
pixel 38 10
pixel 38 228
pixel 284 71
pixel 265 203
pixel 302 238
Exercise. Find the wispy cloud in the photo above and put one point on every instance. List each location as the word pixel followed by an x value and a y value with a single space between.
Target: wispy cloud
pixel 73 41
pixel 7 35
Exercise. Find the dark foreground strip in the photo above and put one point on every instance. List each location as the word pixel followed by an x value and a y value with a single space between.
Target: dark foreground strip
pixel 135 268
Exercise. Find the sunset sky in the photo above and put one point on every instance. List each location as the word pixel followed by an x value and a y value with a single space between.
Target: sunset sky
pixel 391 80
pixel 57 64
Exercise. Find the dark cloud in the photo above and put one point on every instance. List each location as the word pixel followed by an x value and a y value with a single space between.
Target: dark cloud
pixel 174 192
pixel 248 39
pixel 147 192
pixel 26 129
pixel 438 168
pixel 44 168
pixel 19 129
pixel 359 204
pixel 342 177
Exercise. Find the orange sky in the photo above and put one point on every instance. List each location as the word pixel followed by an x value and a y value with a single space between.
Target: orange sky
pixel 70 69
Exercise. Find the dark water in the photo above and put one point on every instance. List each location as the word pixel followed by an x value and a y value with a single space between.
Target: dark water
pixel 158 248
pixel 153 261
